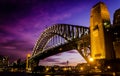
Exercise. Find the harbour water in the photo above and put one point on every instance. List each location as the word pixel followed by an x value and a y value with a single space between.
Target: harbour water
pixel 26 74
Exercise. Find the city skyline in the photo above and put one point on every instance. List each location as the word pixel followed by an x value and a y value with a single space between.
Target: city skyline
pixel 22 23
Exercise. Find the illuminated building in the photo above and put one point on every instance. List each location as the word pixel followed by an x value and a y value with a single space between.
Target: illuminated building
pixel 101 42
pixel 3 63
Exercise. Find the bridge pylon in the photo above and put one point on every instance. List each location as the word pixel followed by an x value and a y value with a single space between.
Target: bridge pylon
pixel 100 35
pixel 28 68
pixel 31 64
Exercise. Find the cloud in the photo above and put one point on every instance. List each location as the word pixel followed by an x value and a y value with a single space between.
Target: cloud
pixel 50 59
pixel 59 54
pixel 72 51
pixel 9 47
pixel 62 63
pixel 22 22
pixel 15 49
pixel 17 45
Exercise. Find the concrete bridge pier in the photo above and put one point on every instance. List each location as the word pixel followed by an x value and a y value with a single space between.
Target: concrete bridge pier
pixel 33 64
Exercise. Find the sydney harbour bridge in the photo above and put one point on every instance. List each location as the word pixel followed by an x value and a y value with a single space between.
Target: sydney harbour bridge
pixel 60 38
pixel 94 42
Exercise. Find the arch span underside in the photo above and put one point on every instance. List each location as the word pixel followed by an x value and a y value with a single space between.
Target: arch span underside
pixel 74 35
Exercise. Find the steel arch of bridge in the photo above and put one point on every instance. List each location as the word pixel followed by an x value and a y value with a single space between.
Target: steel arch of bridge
pixel 67 31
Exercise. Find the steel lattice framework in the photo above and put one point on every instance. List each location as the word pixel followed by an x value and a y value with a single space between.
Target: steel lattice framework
pixel 67 31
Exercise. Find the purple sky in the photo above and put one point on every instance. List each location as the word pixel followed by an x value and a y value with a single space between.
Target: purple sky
pixel 22 21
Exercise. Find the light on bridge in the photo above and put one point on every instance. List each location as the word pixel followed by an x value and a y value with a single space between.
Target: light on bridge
pixel 60 49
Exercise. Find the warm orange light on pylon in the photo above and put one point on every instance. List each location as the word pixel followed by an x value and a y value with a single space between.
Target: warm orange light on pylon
pixel 28 55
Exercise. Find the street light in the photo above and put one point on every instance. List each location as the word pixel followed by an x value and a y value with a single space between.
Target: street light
pixel 96 67
pixel 47 69
pixel 91 59
pixel 64 68
pixel 108 67
pixel 81 68
pixel 90 62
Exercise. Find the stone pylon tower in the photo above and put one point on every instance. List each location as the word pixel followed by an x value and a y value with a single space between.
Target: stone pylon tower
pixel 101 42
pixel 27 63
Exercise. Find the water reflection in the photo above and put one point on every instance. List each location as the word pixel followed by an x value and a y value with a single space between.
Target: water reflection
pixel 25 74
pixel 71 75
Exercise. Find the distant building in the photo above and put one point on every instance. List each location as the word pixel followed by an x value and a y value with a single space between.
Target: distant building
pixel 116 20
pixel 116 33
pixel 3 62
pixel 82 67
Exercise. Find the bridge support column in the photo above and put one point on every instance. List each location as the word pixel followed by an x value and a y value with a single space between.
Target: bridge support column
pixel 27 63
pixel 33 63
pixel 83 44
